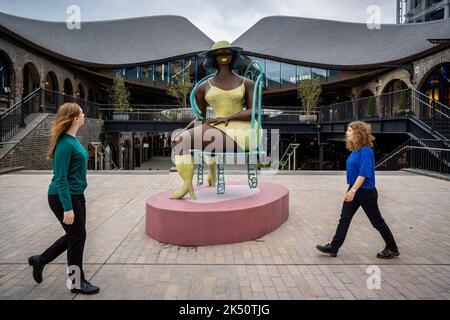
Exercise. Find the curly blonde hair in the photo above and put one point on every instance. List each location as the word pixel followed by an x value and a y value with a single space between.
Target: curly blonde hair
pixel 363 135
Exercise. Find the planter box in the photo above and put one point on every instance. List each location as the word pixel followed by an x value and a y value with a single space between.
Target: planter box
pixel 123 117
pixel 311 118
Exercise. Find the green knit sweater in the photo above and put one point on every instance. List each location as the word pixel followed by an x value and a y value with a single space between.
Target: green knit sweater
pixel 69 170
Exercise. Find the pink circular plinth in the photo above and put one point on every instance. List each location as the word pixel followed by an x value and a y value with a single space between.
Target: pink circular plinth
pixel 241 214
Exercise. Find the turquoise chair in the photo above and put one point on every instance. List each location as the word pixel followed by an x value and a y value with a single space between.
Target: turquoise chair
pixel 251 155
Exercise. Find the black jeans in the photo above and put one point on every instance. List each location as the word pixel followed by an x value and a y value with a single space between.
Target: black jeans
pixel 368 200
pixel 75 237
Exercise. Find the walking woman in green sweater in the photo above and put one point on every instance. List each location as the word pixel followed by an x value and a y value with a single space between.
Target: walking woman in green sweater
pixel 66 197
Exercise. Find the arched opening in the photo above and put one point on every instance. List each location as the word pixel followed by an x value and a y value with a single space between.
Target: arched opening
pixel 91 161
pixel 30 82
pixel 51 87
pixel 125 149
pixel 6 80
pixel 145 147
pixel 111 156
pixel 68 90
pixel 80 92
pixel 394 98
pixel 137 152
pixel 436 84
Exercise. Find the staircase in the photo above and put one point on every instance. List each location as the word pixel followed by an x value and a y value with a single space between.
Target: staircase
pixel 429 157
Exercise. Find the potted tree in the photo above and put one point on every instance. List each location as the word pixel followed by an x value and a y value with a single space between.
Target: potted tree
pixel 179 88
pixel 400 110
pixel 309 91
pixel 119 98
pixel 371 107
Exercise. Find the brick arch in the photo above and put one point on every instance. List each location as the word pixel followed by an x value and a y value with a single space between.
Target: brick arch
pixel 399 83
pixel 80 91
pixel 9 76
pixel 30 74
pixel 68 88
pixel 421 82
pixel 51 81
pixel 399 74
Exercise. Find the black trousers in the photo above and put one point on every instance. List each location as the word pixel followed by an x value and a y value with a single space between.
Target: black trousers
pixel 75 237
pixel 368 200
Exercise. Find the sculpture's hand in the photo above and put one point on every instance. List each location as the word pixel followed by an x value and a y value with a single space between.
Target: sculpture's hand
pixel 218 120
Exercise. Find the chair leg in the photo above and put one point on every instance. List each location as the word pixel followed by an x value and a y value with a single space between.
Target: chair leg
pixel 200 167
pixel 221 175
pixel 252 173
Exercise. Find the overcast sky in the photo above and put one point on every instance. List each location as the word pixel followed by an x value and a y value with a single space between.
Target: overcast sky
pixel 219 19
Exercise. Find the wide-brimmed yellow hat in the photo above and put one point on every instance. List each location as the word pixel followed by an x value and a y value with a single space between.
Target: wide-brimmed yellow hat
pixel 223 44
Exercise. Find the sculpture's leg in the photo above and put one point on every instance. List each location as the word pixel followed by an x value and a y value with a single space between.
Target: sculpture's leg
pixel 185 167
pixel 212 167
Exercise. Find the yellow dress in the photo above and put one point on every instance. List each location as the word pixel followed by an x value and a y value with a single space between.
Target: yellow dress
pixel 226 103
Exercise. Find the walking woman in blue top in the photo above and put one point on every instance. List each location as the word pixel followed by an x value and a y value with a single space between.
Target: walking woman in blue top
pixel 361 191
pixel 66 197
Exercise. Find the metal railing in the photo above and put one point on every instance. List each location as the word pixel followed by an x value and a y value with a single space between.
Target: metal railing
pixel 18 116
pixel 428 155
pixel 184 114
pixel 290 153
pixel 431 112
pixel 23 112
pixel 103 159
pixel 403 103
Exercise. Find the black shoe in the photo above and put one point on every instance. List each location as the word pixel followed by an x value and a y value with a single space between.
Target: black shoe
pixel 327 249
pixel 86 288
pixel 388 253
pixel 38 267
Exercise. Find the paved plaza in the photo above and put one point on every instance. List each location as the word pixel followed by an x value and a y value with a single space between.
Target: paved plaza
pixel 127 264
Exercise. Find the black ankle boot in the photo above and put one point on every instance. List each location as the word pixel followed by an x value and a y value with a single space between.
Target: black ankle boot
pixel 38 267
pixel 86 288
pixel 327 249
pixel 388 253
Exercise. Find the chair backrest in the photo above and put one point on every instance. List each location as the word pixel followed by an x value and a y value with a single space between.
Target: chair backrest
pixel 254 72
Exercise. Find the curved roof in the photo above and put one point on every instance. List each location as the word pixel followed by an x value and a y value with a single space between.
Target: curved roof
pixel 111 42
pixel 340 44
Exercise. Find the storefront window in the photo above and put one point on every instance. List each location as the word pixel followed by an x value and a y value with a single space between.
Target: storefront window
pixel 319 73
pixel 147 74
pixel 160 73
pixel 288 74
pixel 175 69
pixel 132 74
pixel 273 73
pixel 303 73
pixel 119 72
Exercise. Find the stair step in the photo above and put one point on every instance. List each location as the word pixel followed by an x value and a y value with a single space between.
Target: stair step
pixel 10 169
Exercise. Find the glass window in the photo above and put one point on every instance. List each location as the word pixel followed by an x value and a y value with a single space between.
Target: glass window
pixel 201 72
pixel 147 74
pixel 119 72
pixel 189 67
pixel 303 73
pixel 288 74
pixel 319 73
pixel 263 65
pixel 273 73
pixel 160 73
pixel 175 70
pixel 132 74
pixel 334 74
